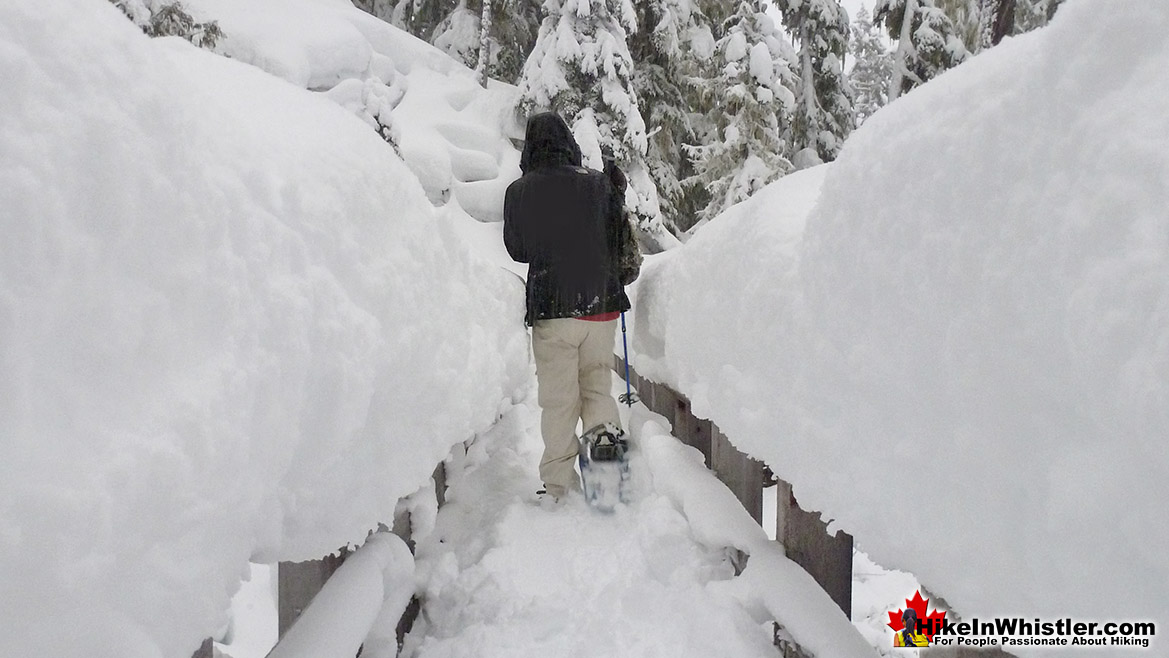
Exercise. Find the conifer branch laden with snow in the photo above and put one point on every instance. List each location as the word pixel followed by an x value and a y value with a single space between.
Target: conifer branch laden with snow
pixel 926 42
pixel 966 15
pixel 170 20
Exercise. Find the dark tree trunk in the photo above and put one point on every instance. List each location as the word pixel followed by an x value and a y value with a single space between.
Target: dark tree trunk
pixel 998 20
pixel 1004 21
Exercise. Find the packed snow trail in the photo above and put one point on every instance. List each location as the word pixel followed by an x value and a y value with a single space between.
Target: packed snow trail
pixel 504 574
pixel 511 576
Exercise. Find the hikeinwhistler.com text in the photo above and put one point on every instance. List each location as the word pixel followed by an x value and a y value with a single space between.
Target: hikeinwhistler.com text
pixel 1018 632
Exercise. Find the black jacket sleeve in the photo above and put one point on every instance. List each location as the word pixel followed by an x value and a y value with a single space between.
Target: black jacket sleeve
pixel 513 231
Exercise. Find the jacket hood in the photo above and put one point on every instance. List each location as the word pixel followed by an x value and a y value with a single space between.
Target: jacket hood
pixel 548 142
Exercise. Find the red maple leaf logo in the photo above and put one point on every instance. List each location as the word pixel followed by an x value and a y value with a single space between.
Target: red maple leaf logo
pixel 930 623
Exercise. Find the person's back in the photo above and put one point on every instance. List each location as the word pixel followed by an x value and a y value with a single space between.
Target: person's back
pixel 567 223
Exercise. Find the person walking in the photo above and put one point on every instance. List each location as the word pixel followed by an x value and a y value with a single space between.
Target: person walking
pixel 568 223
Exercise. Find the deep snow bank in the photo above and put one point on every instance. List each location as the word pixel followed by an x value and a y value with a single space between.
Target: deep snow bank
pixel 230 325
pixel 965 359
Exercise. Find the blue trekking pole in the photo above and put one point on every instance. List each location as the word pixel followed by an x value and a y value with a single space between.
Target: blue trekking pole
pixel 629 398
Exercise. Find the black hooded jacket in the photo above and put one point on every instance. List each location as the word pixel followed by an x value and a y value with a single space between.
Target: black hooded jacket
pixel 567 222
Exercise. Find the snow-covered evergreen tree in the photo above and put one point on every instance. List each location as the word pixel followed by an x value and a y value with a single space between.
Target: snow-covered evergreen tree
pixel 453 26
pixel 823 114
pixel 458 34
pixel 750 88
pixel 674 38
pixel 1033 14
pixel 981 24
pixel 511 32
pixel 513 35
pixel 581 68
pixel 926 42
pixel 1002 18
pixel 966 15
pixel 872 67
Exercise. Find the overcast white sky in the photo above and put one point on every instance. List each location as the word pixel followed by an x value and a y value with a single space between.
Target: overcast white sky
pixel 852 5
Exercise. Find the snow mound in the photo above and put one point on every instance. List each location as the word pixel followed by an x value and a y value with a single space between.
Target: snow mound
pixel 289 39
pixel 971 339
pixel 231 326
pixel 441 119
pixel 677 319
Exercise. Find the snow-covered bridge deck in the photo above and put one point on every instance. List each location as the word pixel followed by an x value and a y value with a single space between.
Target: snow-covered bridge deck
pixel 501 573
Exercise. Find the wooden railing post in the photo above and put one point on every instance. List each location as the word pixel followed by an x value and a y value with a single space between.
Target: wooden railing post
pixel 742 475
pixel 299 582
pixel 827 558
pixel 693 431
pixel 440 484
pixel 664 401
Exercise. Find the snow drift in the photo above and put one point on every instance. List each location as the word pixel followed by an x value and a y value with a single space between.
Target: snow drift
pixel 231 326
pixel 964 358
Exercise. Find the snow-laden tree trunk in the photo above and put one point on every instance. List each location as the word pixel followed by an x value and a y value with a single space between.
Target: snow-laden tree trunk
pixel 484 44
pixel 998 20
pixel 808 77
pixel 904 53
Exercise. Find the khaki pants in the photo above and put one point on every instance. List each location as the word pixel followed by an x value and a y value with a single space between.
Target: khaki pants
pixel 573 373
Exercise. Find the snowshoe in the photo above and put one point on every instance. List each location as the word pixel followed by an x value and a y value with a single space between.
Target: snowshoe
pixel 604 467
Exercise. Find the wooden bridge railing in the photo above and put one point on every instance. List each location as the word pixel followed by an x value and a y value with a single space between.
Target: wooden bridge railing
pixel 804 535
